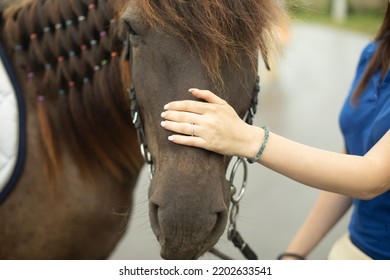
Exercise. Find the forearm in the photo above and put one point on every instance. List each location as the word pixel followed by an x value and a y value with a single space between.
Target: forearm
pixel 216 127
pixel 354 176
pixel 327 211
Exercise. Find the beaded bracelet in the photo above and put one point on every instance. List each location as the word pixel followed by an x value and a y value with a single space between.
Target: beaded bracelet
pixel 263 145
pixel 292 255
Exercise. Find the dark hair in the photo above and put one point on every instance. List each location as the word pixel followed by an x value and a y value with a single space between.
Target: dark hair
pixel 219 30
pixel 380 60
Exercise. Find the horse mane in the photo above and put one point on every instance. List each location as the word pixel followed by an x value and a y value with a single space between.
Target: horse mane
pixel 68 56
pixel 219 30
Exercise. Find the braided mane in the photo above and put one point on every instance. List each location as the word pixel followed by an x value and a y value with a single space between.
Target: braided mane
pixel 68 58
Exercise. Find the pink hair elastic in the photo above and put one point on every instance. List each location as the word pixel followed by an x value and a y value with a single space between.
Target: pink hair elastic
pixel 33 36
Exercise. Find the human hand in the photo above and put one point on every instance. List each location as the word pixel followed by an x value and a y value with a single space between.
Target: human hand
pixel 213 126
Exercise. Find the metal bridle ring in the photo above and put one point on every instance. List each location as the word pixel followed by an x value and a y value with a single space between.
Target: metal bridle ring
pixel 146 154
pixel 233 216
pixel 239 161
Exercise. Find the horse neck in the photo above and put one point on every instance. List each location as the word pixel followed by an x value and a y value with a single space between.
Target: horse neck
pixel 68 58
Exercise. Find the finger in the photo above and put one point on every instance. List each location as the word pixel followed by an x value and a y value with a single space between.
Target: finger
pixel 187 106
pixel 187 140
pixel 179 116
pixel 207 96
pixel 183 128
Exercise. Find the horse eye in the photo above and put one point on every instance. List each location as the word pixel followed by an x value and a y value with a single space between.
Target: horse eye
pixel 130 29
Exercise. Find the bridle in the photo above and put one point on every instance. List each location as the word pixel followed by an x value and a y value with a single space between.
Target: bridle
pixel 139 127
pixel 233 234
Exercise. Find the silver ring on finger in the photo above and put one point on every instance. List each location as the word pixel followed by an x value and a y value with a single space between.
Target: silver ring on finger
pixel 192 129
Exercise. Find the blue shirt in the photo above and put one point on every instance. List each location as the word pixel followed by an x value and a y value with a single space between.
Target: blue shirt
pixel 362 126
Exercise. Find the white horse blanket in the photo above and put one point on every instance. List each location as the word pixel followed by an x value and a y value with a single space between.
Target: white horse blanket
pixel 12 128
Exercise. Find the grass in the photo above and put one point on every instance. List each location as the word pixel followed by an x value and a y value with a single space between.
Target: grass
pixel 368 22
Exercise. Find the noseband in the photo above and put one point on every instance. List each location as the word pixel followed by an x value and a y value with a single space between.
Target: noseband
pixel 233 234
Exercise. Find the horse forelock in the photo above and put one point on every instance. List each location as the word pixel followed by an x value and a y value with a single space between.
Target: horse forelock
pixel 68 55
pixel 219 30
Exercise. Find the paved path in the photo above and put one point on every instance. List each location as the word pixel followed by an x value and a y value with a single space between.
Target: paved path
pixel 300 100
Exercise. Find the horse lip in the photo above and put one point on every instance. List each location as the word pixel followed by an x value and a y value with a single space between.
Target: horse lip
pixel 172 251
pixel 168 253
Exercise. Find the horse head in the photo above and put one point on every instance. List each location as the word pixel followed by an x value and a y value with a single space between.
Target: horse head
pixel 173 46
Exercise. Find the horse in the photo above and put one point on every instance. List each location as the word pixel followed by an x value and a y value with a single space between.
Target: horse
pixel 76 62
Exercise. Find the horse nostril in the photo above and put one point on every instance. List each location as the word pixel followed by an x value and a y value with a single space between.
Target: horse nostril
pixel 220 217
pixel 220 222
pixel 153 216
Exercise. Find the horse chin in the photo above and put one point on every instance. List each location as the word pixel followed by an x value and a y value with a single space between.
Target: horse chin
pixel 168 253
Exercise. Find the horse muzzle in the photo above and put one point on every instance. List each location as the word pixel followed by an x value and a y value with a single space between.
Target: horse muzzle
pixel 188 210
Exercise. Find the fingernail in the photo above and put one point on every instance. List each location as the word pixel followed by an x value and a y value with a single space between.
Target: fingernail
pixel 163 124
pixel 166 107
pixel 163 114
pixel 193 89
pixel 170 138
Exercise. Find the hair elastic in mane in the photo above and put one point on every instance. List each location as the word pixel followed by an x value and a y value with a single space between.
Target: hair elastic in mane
pixel 72 84
pixel 46 29
pixel 81 18
pixel 60 25
pixel 72 53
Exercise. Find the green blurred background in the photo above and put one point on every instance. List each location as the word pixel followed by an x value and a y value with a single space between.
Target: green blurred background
pixel 358 15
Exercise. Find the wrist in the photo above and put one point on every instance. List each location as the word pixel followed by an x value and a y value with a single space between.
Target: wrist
pixel 290 256
pixel 265 136
pixel 253 145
